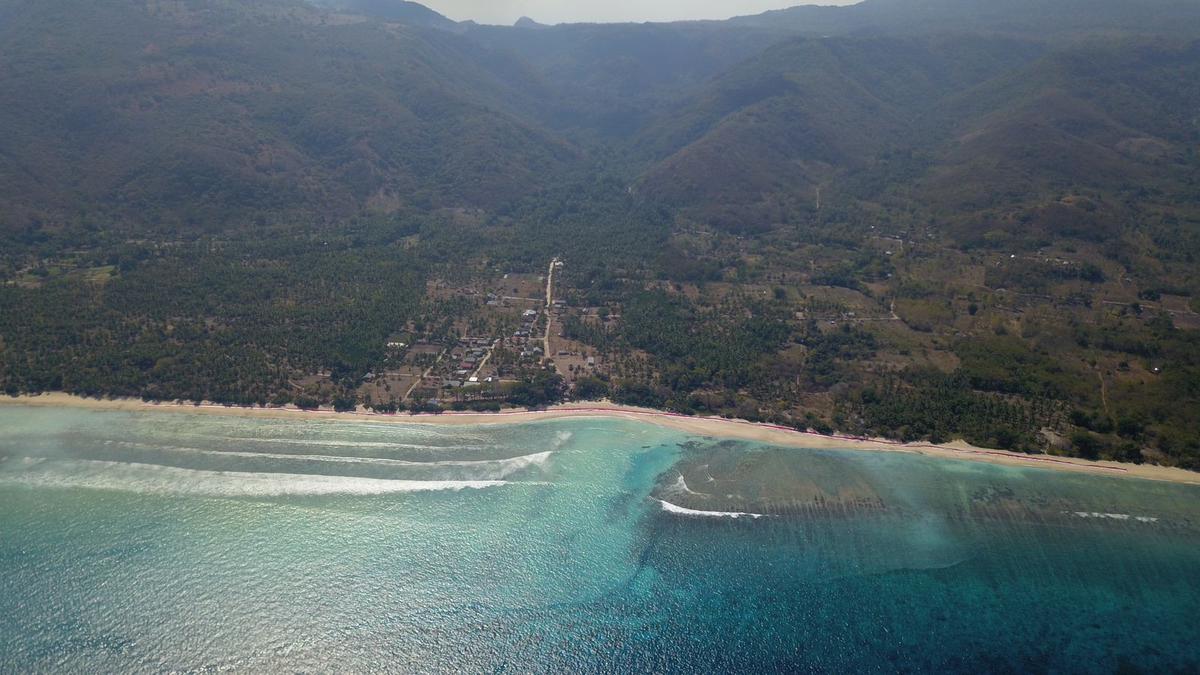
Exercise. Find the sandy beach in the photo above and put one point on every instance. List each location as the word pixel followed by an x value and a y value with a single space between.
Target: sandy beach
pixel 700 426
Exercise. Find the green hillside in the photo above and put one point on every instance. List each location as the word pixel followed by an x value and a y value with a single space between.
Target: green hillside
pixel 919 219
pixel 211 114
pixel 1055 19
pixel 810 112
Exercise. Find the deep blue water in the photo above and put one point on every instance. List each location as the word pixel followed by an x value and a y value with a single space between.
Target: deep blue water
pixel 174 542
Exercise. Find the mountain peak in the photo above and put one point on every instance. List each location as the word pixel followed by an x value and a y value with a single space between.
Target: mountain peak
pixel 401 11
pixel 526 22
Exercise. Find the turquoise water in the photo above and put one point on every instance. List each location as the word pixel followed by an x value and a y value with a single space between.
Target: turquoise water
pixel 157 542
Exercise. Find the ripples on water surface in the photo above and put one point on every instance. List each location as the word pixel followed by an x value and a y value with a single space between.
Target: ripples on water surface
pixel 161 541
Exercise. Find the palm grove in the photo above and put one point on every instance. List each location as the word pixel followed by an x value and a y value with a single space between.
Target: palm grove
pixel 846 219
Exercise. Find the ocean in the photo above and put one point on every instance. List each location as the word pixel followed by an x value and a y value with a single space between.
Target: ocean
pixel 162 541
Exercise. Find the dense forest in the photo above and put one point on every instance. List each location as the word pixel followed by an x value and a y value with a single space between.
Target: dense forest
pixel 942 220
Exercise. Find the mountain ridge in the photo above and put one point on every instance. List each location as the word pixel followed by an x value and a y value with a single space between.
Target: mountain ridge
pixel 917 230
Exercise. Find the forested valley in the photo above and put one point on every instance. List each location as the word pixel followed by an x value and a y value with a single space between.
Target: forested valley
pixel 837 219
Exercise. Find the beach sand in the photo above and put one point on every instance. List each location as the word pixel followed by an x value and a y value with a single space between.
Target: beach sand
pixel 698 426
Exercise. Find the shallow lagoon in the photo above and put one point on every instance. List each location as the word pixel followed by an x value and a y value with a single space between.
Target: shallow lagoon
pixel 167 541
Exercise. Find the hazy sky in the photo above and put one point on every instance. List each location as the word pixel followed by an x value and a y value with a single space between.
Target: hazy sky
pixel 559 11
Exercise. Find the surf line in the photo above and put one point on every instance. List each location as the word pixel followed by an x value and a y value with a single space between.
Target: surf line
pixel 676 509
pixel 719 420
pixel 801 432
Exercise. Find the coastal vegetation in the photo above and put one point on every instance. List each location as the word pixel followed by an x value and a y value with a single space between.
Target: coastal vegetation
pixel 986 232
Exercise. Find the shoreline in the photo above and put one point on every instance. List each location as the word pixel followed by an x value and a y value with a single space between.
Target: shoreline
pixel 699 426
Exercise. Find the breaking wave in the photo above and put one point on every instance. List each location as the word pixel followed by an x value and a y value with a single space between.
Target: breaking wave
pixel 148 467
pixel 351 444
pixel 679 510
pixel 157 479
pixel 1114 516
pixel 681 485
pixel 504 466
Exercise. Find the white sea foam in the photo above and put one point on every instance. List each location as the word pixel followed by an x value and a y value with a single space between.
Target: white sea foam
pixel 504 466
pixel 155 479
pixel 1115 516
pixel 383 429
pixel 679 510
pixel 682 486
pixel 351 444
